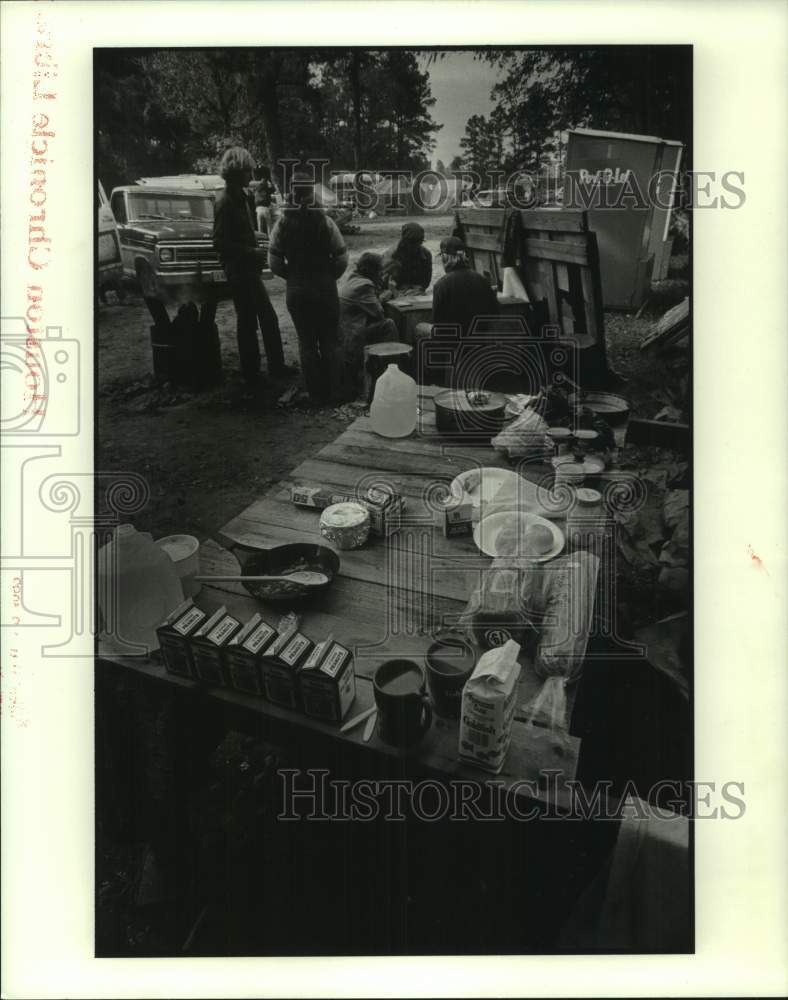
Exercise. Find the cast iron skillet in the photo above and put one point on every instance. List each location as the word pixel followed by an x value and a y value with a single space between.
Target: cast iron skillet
pixel 283 559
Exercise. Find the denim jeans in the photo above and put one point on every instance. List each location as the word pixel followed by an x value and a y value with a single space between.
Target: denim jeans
pixel 315 313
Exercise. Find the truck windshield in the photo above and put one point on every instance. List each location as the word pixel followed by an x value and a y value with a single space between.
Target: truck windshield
pixel 171 207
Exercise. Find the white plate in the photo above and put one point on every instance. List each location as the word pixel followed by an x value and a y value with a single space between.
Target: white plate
pixel 486 533
pixel 481 485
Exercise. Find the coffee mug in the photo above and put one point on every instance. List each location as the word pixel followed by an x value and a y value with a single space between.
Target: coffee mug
pixel 450 661
pixel 404 711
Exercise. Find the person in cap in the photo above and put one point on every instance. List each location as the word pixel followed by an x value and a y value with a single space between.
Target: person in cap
pixel 361 318
pixel 462 295
pixel 308 250
pixel 408 265
pixel 243 261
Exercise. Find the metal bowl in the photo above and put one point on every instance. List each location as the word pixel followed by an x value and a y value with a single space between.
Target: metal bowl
pixel 613 409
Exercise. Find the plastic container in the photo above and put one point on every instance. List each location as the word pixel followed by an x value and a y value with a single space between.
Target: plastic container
pixel 138 587
pixel 184 550
pixel 393 412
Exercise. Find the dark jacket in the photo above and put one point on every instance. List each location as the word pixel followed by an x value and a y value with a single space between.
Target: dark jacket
pixel 234 234
pixel 461 296
pixel 409 270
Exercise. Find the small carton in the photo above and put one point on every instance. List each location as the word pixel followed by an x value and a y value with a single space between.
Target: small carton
pixel 208 643
pixel 279 667
pixel 174 635
pixel 488 703
pixel 328 681
pixel 458 519
pixel 317 497
pixel 385 511
pixel 242 654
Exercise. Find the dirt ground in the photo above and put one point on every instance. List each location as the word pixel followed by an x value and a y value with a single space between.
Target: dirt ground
pixel 207 456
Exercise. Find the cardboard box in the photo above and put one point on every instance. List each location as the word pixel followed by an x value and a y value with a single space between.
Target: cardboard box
pixel 280 665
pixel 385 507
pixel 489 699
pixel 208 644
pixel 458 520
pixel 174 633
pixel 243 652
pixel 318 497
pixel 385 510
pixel 328 681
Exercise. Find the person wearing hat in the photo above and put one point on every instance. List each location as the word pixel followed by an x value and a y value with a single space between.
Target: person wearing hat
pixel 408 265
pixel 236 244
pixel 361 318
pixel 462 294
pixel 308 250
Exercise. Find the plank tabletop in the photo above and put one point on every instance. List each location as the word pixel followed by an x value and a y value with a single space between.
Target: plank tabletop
pixel 391 595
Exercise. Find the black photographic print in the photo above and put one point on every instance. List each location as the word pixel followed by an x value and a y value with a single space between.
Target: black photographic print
pixel 394 469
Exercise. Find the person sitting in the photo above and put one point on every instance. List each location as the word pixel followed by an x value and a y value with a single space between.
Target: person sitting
pixel 462 295
pixel 408 265
pixel 361 318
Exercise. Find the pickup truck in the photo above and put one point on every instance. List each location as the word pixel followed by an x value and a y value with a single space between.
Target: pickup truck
pixel 165 226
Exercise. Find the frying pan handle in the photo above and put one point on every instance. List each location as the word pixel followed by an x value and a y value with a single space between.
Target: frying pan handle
pixel 241 552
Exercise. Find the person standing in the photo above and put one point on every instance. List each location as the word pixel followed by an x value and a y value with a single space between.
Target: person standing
pixel 307 250
pixel 243 261
pixel 264 191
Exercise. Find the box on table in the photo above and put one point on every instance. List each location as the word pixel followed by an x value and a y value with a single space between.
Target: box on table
pixel 489 699
pixel 242 654
pixel 458 520
pixel 385 507
pixel 279 667
pixel 328 681
pixel 174 633
pixel 208 644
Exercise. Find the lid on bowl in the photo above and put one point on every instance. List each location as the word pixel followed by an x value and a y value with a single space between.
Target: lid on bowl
pixel 344 515
pixel 471 400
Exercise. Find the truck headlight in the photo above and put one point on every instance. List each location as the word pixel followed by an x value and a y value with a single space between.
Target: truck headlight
pixel 166 254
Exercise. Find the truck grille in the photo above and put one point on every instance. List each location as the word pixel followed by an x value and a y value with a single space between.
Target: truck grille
pixel 203 255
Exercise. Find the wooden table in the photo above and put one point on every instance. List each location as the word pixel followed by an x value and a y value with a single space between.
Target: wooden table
pixel 390 596
pixel 408 312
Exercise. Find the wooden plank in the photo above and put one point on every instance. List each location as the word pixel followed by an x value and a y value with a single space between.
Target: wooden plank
pixel 480 241
pixel 363 615
pixel 532 751
pixel 589 304
pixel 471 217
pixel 417 559
pixel 569 253
pixel 555 220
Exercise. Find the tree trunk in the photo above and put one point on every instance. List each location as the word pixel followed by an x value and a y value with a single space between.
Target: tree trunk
pixel 355 86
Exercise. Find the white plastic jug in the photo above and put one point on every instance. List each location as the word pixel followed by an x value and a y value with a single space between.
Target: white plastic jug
pixel 393 411
pixel 138 586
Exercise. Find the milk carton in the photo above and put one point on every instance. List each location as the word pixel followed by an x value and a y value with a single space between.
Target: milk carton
pixel 488 703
